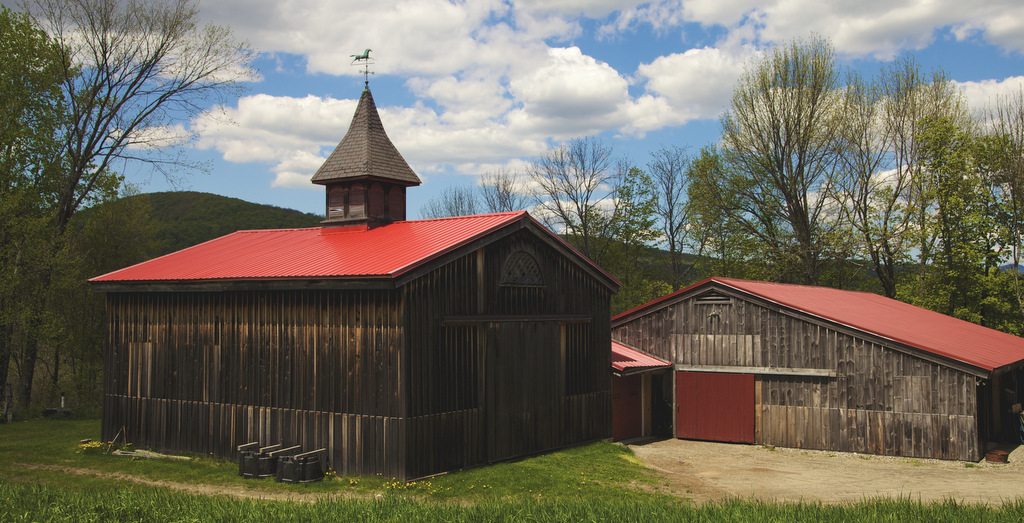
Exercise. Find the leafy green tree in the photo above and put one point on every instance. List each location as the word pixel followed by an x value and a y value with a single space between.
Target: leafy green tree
pixel 724 247
pixel 32 116
pixel 957 280
pixel 633 231
pixel 106 237
pixel 1002 150
pixel 781 144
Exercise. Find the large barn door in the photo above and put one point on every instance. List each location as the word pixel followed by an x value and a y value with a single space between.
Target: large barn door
pixel 523 381
pixel 715 406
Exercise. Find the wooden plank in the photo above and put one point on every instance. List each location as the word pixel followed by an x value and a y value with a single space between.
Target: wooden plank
pixel 774 371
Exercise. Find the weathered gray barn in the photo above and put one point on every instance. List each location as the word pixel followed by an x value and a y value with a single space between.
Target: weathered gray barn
pixel 405 348
pixel 818 368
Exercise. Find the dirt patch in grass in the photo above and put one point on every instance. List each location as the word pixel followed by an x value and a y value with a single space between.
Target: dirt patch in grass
pixel 706 471
pixel 231 491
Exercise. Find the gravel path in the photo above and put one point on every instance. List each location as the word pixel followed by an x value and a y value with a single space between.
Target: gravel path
pixel 706 471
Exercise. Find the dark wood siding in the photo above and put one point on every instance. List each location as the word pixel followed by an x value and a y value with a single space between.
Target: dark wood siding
pixel 819 385
pixel 205 372
pixel 500 371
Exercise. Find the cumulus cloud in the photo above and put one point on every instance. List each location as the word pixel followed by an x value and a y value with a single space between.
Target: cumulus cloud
pixel 571 93
pixel 694 84
pixel 266 128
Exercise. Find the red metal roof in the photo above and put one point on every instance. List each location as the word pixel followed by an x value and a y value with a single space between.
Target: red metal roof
pixel 624 357
pixel 922 329
pixel 339 252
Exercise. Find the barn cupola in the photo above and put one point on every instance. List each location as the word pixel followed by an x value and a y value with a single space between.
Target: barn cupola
pixel 365 176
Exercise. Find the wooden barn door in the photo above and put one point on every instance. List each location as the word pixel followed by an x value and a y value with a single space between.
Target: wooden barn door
pixel 523 388
pixel 715 406
pixel 627 407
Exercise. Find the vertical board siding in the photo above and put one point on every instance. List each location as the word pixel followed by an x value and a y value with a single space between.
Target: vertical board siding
pixel 205 372
pixel 881 400
pixel 494 390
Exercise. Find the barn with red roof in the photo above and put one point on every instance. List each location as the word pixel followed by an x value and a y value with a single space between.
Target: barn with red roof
pixel 819 368
pixel 403 348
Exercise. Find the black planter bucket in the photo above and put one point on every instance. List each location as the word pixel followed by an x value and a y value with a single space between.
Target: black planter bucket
pixel 301 468
pixel 311 469
pixel 286 470
pixel 247 467
pixel 266 461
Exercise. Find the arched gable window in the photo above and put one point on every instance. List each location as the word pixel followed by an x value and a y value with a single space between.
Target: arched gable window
pixel 522 270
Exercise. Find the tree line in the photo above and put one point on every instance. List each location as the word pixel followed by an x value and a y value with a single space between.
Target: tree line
pixel 822 176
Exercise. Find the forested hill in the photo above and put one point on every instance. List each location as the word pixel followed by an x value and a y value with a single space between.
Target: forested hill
pixel 183 219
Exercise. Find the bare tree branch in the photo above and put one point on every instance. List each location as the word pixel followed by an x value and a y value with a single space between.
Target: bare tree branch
pixel 133 66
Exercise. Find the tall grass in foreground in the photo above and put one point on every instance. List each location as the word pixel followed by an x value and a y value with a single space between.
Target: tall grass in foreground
pixel 36 503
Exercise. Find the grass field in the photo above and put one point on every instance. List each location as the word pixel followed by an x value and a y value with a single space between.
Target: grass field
pixel 46 474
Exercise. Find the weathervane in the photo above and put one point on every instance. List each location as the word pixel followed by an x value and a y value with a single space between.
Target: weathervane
pixel 365 61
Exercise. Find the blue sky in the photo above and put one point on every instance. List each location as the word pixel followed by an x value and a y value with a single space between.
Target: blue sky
pixel 468 87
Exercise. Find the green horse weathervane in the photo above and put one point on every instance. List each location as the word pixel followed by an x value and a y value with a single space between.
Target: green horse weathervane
pixel 364 60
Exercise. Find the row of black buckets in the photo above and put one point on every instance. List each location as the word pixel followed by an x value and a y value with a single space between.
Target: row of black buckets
pixel 287 465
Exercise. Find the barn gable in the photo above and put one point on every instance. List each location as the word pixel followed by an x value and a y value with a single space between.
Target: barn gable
pixel 830 369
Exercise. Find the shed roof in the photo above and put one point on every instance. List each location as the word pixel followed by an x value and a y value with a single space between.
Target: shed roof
pixel 359 252
pixel 366 151
pixel 906 324
pixel 627 360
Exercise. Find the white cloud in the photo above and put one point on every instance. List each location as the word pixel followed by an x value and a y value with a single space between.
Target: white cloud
pixel 433 37
pixel 571 94
pixel 267 128
pixel 878 28
pixel 589 8
pixel 981 96
pixel 695 84
pixel 296 170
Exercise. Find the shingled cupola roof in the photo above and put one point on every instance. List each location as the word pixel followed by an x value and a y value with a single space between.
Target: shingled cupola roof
pixel 366 152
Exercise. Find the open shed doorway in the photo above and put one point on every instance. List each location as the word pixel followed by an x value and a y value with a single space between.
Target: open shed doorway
pixel 1000 405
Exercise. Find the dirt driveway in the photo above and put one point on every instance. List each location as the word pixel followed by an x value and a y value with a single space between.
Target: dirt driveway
pixel 707 471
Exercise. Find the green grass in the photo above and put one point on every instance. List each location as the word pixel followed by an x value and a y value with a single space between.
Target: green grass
pixel 50 453
pixel 36 503
pixel 47 475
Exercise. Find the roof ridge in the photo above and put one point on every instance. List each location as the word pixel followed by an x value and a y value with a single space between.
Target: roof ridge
pixel 726 280
pixel 281 229
pixel 466 216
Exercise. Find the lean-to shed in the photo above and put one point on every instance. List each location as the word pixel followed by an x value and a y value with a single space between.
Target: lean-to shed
pixel 819 368
pixel 634 409
pixel 405 348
